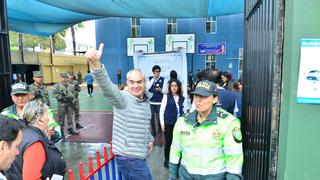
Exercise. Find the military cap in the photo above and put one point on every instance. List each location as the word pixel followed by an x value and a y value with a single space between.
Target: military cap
pixel 37 74
pixel 63 75
pixel 205 88
pixel 20 88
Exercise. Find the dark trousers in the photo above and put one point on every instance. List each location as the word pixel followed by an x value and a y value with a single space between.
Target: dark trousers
pixel 155 120
pixel 90 88
pixel 168 130
pixel 133 169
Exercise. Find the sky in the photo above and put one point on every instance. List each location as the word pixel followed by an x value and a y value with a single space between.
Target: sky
pixel 85 37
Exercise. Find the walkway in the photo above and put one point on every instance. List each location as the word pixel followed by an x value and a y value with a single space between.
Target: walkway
pixel 98 108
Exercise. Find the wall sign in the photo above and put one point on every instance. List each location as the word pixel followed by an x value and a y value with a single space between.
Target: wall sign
pixel 309 72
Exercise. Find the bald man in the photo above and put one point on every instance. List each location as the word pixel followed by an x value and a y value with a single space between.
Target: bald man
pixel 131 136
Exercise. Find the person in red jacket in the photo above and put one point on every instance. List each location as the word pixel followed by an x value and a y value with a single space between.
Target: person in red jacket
pixel 38 158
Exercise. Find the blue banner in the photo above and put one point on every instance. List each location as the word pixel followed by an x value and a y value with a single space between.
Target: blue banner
pixel 218 48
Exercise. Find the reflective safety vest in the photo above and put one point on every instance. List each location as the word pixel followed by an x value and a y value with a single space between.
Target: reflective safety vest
pixel 208 148
pixel 11 112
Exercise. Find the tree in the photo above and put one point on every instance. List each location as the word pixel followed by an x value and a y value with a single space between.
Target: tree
pixel 73 34
pixel 32 41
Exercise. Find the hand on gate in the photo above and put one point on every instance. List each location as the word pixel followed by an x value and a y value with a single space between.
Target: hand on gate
pixel 93 57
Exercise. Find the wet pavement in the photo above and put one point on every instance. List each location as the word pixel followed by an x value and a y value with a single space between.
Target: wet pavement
pixel 75 152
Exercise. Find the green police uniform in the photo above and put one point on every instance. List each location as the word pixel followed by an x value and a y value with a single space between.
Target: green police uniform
pixel 208 150
pixel 11 112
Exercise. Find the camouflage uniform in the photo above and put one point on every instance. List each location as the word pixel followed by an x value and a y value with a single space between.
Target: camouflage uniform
pixel 65 99
pixel 75 89
pixel 40 92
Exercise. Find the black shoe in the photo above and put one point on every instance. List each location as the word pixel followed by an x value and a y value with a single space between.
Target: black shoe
pixel 71 131
pixel 78 125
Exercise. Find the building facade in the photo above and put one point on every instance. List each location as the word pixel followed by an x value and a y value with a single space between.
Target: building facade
pixel 113 32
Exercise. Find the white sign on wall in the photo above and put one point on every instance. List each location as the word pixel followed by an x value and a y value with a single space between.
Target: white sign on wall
pixel 145 44
pixel 185 42
pixel 309 72
pixel 167 62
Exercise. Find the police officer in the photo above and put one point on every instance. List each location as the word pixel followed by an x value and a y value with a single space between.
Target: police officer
pixel 20 95
pixel 39 90
pixel 75 89
pixel 208 140
pixel 65 98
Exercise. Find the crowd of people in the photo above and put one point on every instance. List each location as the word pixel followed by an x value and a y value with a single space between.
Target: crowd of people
pixel 202 131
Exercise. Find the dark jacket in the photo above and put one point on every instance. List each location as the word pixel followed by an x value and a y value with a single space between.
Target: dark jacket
pixel 54 164
pixel 170 113
pixel 156 95
pixel 227 100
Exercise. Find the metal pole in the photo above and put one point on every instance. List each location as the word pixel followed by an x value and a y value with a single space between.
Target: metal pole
pixel 5 59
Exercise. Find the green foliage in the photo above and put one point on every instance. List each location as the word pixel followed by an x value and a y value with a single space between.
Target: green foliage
pixel 31 41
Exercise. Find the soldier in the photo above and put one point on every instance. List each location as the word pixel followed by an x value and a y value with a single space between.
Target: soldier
pixel 75 89
pixel 38 89
pixel 79 74
pixel 65 98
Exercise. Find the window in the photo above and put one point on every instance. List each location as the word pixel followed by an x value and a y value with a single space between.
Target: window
pixel 210 61
pixel 172 26
pixel 135 27
pixel 240 62
pixel 211 25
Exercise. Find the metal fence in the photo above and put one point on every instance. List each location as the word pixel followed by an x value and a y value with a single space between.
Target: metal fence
pixel 106 170
pixel 262 83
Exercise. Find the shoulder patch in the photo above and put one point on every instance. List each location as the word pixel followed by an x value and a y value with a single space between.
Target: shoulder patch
pixel 221 114
pixel 237 136
pixel 185 114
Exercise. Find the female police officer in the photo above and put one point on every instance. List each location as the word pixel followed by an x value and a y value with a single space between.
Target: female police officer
pixel 207 142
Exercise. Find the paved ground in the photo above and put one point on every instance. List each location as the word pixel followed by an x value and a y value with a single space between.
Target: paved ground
pixel 75 152
pixel 78 151
pixel 97 103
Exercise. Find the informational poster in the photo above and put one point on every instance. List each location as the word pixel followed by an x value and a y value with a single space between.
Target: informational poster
pixel 309 72
pixel 214 48
pixel 167 62
pixel 176 42
pixel 145 44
